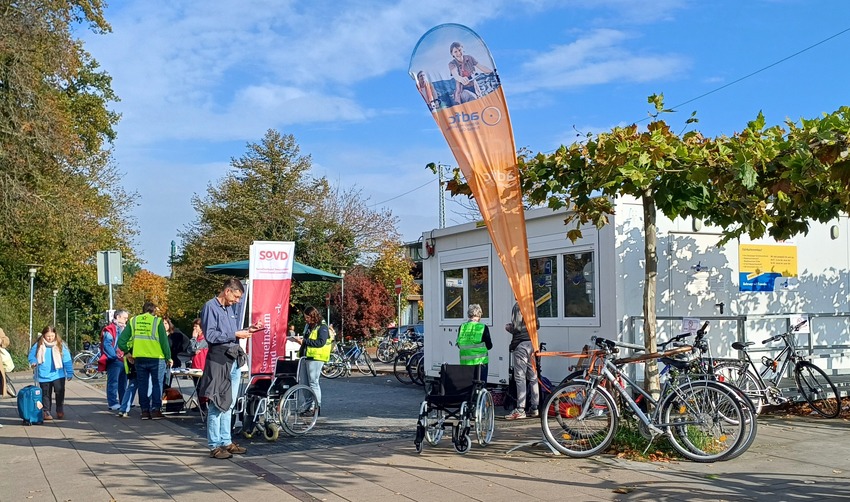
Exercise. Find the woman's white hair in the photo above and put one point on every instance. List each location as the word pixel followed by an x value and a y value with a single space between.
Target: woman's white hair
pixel 474 310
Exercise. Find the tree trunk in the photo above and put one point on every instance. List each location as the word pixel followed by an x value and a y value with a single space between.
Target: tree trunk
pixel 651 383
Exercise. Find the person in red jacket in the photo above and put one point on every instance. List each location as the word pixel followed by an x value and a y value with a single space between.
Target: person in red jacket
pixel 116 377
pixel 199 346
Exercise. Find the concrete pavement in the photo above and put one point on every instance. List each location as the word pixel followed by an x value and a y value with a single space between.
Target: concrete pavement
pixel 93 455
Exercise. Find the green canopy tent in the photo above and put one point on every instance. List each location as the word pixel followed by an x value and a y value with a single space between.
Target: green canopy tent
pixel 300 272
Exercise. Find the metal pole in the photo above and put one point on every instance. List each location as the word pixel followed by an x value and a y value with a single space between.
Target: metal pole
pixel 442 205
pixel 399 309
pixel 342 306
pixel 55 292
pixel 75 325
pixel 65 334
pixel 32 289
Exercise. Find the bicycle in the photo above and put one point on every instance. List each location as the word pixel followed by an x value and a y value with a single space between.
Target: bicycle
pixel 702 419
pixel 85 364
pixel 683 363
pixel 404 371
pixel 342 359
pixel 762 387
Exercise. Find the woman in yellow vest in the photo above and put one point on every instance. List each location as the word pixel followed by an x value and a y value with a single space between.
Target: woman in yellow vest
pixel 315 352
pixel 473 340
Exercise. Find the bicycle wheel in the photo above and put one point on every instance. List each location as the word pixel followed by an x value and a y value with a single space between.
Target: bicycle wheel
pixel 413 368
pixel 85 365
pixel 334 368
pixel 360 362
pixel 579 419
pixel 704 419
pixel 816 388
pixel 297 410
pixel 738 375
pixel 400 368
pixel 385 352
pixel 485 417
pixel 370 364
pixel 750 427
pixel 10 388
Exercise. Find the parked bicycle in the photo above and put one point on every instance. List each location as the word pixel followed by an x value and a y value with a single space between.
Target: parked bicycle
pixel 343 358
pixel 763 387
pixel 85 363
pixel 409 364
pixel 702 419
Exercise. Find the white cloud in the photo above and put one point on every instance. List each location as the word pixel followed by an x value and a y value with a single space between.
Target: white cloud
pixel 601 57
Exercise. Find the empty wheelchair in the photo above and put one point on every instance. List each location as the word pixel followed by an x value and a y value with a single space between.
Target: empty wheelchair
pixel 459 400
pixel 272 403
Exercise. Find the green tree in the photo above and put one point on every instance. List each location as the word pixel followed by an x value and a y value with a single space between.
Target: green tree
pixel 270 195
pixel 760 180
pixel 60 200
pixel 391 264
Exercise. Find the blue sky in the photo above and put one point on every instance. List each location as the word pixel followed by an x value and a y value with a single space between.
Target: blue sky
pixel 198 80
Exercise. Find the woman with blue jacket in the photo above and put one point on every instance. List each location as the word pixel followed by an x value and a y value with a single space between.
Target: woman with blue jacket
pixel 53 360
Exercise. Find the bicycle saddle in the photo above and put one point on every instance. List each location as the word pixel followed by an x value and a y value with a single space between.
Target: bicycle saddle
pixel 742 345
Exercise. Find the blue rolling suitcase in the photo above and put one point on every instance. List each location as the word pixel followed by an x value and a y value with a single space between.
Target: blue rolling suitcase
pixel 29 404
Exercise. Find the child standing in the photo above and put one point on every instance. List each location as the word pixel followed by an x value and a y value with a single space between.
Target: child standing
pixel 54 366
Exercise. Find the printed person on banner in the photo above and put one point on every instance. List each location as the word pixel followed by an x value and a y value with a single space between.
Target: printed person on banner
pixel 462 68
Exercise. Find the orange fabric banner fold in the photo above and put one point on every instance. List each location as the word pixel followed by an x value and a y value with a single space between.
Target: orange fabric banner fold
pixel 456 76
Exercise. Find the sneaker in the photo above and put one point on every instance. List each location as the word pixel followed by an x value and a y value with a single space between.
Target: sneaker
pixel 47 416
pixel 516 415
pixel 157 415
pixel 146 415
pixel 123 414
pixel 308 413
pixel 235 449
pixel 115 407
pixel 534 414
pixel 220 453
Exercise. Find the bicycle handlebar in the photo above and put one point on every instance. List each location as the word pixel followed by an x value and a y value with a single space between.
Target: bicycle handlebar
pixel 678 338
pixel 793 329
pixel 603 343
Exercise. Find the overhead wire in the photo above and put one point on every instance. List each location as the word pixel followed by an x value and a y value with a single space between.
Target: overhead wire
pixel 724 86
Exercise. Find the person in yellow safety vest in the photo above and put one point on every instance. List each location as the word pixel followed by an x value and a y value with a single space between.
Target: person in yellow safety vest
pixel 473 340
pixel 315 350
pixel 145 339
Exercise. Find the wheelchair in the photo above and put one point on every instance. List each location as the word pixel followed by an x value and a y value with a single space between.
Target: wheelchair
pixel 459 400
pixel 272 403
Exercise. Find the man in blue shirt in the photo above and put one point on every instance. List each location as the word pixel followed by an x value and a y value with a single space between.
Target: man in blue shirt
pixel 220 322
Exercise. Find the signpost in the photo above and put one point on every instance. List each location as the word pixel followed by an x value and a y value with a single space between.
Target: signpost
pixel 109 271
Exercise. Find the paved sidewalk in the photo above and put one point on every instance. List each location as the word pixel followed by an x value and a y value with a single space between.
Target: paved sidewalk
pixel 95 456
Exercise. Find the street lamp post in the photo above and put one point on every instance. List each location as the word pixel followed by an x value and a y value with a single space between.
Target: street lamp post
pixel 342 306
pixel 33 269
pixel 55 292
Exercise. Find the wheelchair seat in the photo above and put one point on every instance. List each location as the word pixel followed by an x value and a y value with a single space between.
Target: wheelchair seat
pixel 456 385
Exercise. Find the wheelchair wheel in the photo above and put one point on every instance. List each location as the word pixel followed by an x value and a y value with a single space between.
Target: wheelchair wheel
pixel 271 431
pixel 296 410
pixel 485 417
pixel 463 444
pixel 434 427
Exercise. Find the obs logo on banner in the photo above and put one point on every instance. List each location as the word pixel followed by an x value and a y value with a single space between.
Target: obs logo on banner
pixel 489 116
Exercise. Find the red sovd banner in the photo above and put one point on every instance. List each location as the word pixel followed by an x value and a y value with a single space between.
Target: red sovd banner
pixel 270 272
pixel 456 76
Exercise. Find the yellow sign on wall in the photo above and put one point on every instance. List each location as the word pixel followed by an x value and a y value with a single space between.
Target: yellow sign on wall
pixel 760 265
